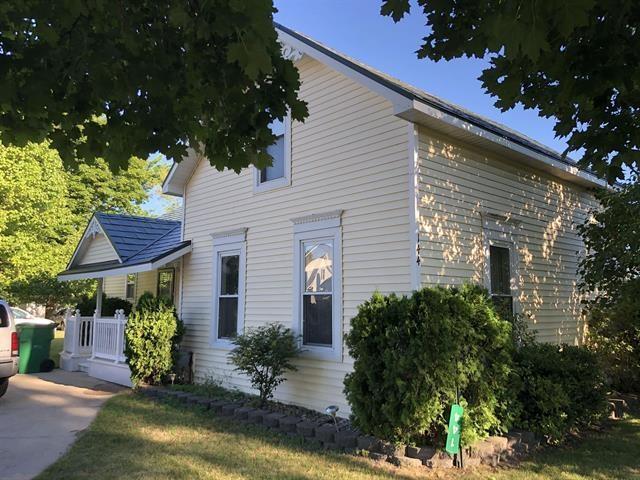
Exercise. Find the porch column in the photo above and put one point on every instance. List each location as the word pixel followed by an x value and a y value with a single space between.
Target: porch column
pixel 99 298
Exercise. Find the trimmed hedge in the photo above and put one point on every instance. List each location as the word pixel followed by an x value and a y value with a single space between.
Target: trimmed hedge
pixel 152 335
pixel 411 353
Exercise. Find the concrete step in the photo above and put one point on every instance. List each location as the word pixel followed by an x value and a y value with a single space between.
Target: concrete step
pixel 84 367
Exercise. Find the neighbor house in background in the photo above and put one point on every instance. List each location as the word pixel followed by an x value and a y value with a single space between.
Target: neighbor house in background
pixel 384 187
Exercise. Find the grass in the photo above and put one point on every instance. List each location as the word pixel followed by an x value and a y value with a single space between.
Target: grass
pixel 57 344
pixel 136 438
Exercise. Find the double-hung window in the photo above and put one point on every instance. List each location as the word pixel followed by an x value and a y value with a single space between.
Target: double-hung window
pixel 228 286
pixel 278 174
pixel 501 262
pixel 318 285
pixel 166 280
pixel 500 282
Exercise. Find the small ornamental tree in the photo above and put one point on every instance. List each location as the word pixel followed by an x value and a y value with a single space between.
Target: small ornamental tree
pixel 150 337
pixel 265 354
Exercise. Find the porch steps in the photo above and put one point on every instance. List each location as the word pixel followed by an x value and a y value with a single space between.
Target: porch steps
pixel 84 367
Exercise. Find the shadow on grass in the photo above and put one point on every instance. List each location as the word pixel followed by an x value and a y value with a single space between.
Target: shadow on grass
pixel 137 438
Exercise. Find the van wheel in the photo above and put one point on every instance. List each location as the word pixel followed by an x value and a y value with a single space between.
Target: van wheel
pixel 4 383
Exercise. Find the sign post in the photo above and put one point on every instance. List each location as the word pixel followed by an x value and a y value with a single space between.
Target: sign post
pixel 455 430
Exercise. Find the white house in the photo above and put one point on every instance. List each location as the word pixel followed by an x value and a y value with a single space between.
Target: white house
pixel 384 187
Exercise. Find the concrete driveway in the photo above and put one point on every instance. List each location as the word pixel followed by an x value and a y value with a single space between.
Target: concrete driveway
pixel 41 415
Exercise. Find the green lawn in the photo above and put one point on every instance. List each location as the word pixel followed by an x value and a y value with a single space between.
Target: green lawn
pixel 135 438
pixel 57 344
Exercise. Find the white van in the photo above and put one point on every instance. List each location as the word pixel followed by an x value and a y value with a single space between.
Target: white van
pixel 9 347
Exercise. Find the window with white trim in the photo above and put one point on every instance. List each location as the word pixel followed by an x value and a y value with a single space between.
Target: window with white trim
pixel 278 174
pixel 130 289
pixel 228 287
pixel 318 286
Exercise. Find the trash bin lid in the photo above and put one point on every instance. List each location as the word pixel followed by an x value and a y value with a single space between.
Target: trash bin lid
pixel 36 323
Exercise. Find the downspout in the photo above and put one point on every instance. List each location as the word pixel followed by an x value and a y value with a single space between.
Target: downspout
pixel 414 212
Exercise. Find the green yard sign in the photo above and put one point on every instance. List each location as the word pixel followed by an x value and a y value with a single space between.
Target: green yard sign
pixel 455 429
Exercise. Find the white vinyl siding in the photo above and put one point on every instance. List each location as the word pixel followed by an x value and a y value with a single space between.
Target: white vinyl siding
pixel 98 250
pixel 351 155
pixel 458 185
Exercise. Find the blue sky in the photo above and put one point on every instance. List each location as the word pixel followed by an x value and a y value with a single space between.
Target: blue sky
pixel 355 27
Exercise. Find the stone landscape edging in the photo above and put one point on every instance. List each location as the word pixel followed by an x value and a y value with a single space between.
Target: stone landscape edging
pixel 323 433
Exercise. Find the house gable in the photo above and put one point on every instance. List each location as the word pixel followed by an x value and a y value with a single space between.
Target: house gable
pixel 97 250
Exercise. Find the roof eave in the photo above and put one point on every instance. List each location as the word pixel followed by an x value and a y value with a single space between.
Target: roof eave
pixel 431 117
pixel 112 270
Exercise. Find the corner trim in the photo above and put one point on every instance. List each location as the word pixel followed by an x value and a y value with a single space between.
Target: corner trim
pixel 414 211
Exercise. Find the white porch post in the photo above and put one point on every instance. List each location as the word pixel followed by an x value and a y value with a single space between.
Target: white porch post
pixel 99 297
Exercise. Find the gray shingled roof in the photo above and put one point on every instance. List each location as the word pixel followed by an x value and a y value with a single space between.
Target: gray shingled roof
pixel 137 240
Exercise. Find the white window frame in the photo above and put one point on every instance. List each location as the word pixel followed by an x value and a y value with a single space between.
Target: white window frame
pixel 500 231
pixel 318 228
pixel 228 244
pixel 135 286
pixel 285 181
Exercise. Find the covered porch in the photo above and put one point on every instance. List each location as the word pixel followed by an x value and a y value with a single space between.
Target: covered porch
pixel 95 343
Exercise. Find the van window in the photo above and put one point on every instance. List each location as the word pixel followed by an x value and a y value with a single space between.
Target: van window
pixel 4 317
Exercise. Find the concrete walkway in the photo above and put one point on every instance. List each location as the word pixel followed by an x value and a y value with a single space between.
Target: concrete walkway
pixel 41 415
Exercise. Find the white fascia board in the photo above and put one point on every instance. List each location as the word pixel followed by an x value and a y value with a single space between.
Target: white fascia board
pixel 179 174
pixel 576 174
pixel 399 101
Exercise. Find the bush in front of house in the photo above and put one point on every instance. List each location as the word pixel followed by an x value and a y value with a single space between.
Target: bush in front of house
pixel 411 353
pixel 152 334
pixel 265 354
pixel 87 305
pixel 614 335
pixel 560 389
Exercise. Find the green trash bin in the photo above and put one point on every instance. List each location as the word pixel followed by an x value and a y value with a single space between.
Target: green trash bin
pixel 35 346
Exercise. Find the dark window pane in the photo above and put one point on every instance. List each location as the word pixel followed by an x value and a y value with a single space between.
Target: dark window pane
pixel 503 305
pixel 4 317
pixel 500 270
pixel 229 268
pixel 227 317
pixel 318 266
pixel 317 324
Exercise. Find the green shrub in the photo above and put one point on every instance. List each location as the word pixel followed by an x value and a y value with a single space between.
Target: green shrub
pixel 614 335
pixel 87 305
pixel 560 389
pixel 410 354
pixel 151 339
pixel 265 354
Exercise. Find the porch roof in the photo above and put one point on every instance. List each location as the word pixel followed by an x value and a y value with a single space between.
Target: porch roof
pixel 141 244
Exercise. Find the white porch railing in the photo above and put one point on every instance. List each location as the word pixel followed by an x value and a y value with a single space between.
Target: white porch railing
pixel 108 337
pixel 78 336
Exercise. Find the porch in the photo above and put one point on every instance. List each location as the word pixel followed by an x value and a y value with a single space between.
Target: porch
pixel 128 256
pixel 95 345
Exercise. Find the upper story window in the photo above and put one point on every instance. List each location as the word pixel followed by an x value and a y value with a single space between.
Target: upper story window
pixel 318 285
pixel 131 286
pixel 278 174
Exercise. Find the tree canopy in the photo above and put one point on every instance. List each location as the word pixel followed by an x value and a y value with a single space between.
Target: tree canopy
pixel 111 80
pixel 577 61
pixel 44 210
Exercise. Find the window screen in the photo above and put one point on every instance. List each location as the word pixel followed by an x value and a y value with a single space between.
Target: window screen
pixel 500 270
pixel 317 296
pixel 228 296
